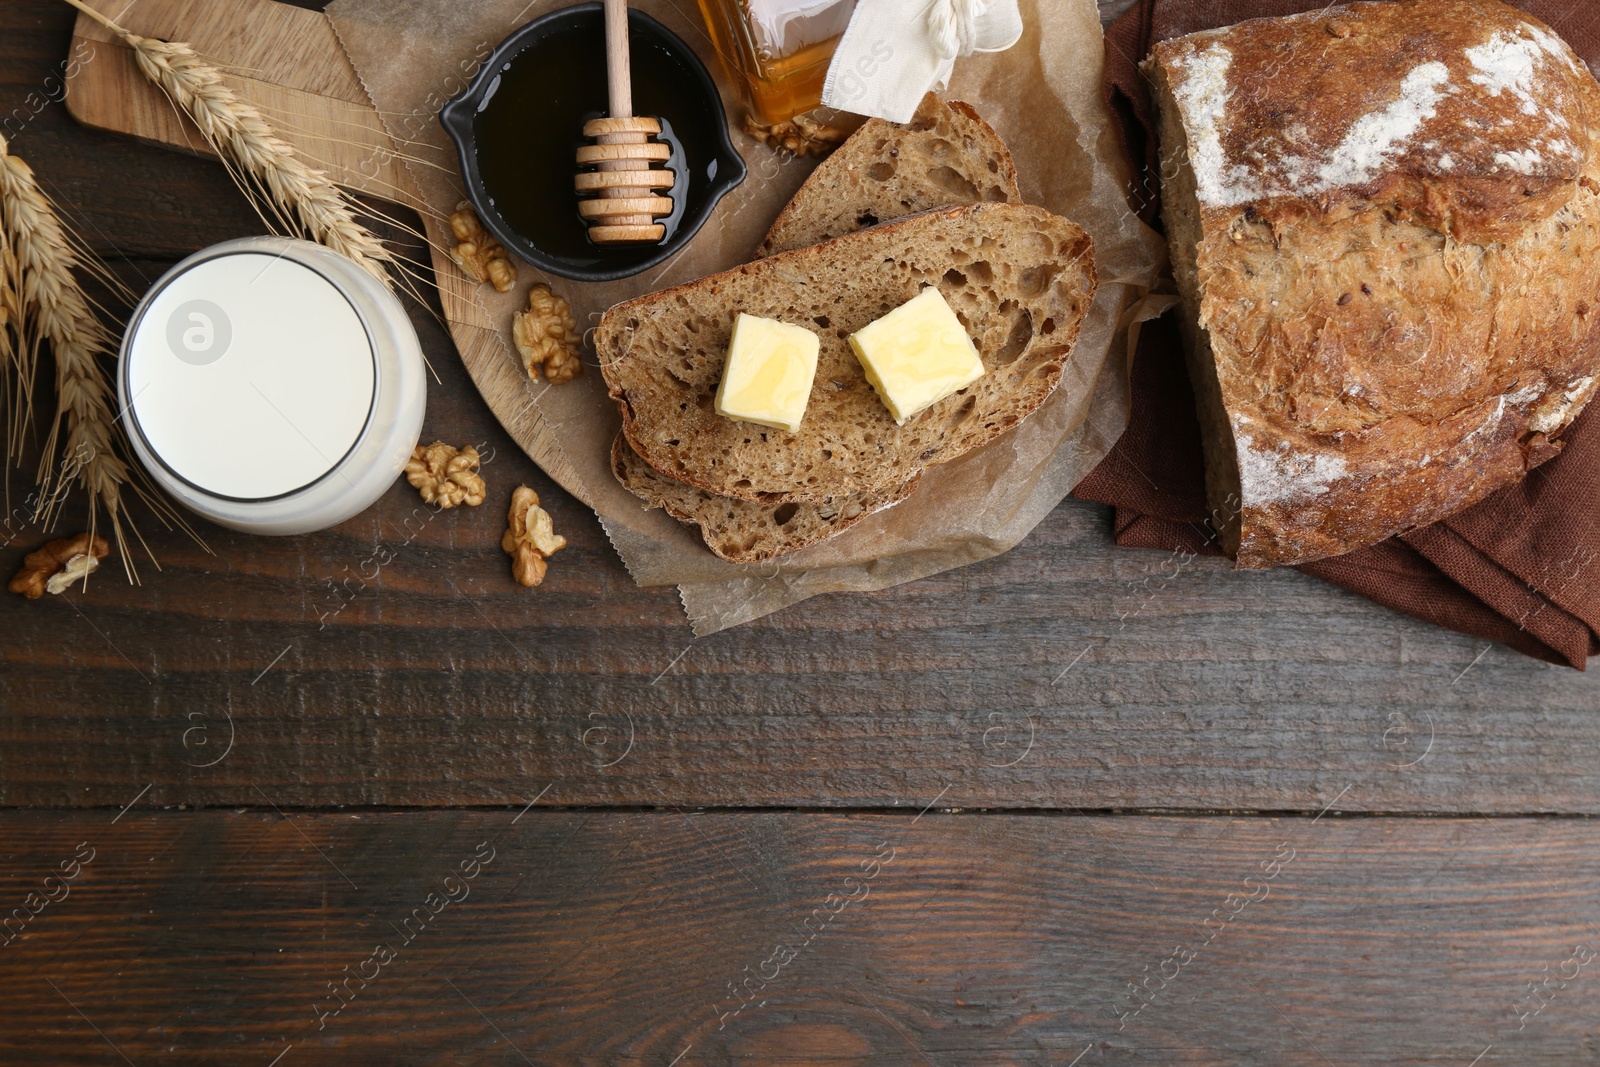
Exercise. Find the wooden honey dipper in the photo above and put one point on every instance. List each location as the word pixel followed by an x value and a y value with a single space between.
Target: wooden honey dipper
pixel 625 203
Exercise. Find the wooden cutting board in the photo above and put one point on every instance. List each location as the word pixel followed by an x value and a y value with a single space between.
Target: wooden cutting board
pixel 288 62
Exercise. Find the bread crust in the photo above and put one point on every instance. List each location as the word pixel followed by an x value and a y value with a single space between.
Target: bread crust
pixel 1021 279
pixel 741 531
pixel 1383 220
pixel 945 155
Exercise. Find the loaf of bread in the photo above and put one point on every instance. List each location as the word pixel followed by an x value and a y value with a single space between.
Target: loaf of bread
pixel 1019 278
pixel 1384 220
pixel 945 152
pixel 945 155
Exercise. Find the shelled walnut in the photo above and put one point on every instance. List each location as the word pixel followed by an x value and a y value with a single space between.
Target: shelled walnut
pixel 477 253
pixel 445 475
pixel 547 336
pixel 57 564
pixel 801 135
pixel 530 537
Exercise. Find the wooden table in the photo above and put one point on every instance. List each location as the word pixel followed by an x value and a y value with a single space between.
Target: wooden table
pixel 1073 805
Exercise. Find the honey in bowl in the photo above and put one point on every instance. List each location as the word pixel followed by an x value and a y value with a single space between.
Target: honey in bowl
pixel 529 124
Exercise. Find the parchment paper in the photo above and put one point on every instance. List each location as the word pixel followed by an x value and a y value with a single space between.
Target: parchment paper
pixel 1042 96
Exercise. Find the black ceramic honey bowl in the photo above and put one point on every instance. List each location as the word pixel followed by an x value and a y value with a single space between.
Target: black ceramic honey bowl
pixel 519 124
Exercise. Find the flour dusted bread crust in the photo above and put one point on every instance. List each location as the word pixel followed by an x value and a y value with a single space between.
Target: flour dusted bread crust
pixel 1385 226
pixel 1019 278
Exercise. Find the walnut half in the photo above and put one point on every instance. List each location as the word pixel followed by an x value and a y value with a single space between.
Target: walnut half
pixel 445 475
pixel 57 564
pixel 530 537
pixel 801 136
pixel 478 254
pixel 547 336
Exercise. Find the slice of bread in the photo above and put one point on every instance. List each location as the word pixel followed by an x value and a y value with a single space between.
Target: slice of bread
pixel 945 155
pixel 740 531
pixel 1019 278
pixel 945 147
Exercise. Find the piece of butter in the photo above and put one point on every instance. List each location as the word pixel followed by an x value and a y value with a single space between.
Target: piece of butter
pixel 767 379
pixel 917 355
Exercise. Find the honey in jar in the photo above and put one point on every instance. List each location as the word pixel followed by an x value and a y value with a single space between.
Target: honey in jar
pixel 777 51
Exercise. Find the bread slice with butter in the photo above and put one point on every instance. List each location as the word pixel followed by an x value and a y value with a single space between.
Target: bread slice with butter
pixel 945 151
pixel 1019 278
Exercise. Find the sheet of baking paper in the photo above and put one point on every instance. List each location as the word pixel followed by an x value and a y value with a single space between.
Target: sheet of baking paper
pixel 1042 95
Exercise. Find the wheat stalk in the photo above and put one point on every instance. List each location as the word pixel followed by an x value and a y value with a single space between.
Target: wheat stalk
pixel 17 375
pixel 48 305
pixel 237 131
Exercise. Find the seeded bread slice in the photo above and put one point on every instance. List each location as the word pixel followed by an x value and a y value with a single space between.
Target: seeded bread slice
pixel 1019 278
pixel 944 152
pixel 945 155
pixel 740 531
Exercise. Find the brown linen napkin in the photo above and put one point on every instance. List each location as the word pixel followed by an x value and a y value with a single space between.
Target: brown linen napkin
pixel 1522 567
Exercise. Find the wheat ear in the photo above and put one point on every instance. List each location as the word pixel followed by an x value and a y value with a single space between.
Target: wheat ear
pixel 244 139
pixel 53 308
pixel 16 371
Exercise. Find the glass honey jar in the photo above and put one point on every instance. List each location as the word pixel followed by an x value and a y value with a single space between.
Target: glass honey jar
pixel 777 51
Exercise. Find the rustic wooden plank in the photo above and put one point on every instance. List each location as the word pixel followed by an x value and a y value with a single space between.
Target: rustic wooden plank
pixel 126 198
pixel 628 938
pixel 439 682
pixel 1013 683
pixel 314 103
